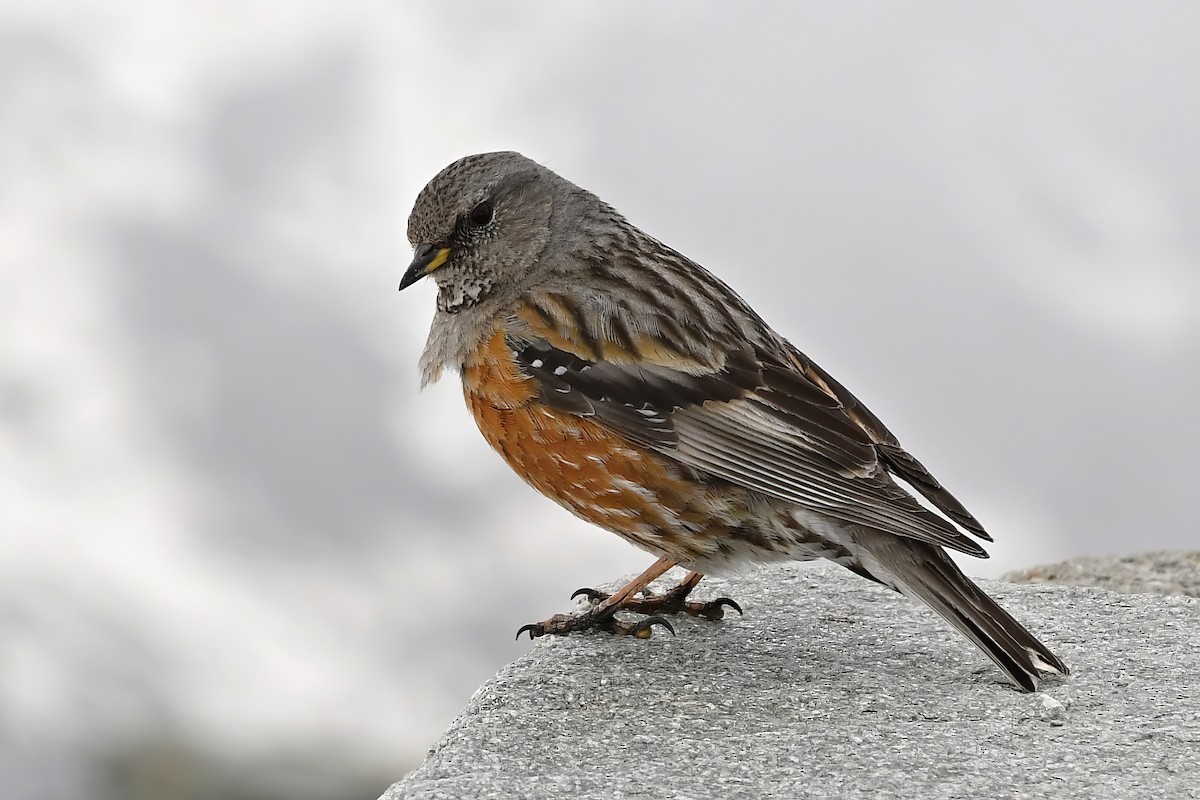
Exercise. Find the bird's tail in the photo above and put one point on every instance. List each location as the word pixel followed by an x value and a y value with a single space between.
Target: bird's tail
pixel 925 572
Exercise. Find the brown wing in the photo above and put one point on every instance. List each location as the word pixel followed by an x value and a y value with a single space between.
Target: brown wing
pixel 755 421
pixel 887 446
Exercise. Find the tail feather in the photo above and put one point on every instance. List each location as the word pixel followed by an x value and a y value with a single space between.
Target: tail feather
pixel 928 574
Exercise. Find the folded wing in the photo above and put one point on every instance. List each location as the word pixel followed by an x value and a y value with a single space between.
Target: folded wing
pixel 771 422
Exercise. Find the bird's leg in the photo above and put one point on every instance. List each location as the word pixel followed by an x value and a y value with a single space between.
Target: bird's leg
pixel 673 601
pixel 602 613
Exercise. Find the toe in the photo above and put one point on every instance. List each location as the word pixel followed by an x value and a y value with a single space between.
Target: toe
pixel 534 630
pixel 644 628
pixel 715 609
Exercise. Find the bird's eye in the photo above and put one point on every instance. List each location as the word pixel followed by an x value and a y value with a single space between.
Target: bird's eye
pixel 481 214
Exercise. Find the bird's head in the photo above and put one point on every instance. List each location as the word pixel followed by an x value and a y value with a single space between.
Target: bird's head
pixel 481 225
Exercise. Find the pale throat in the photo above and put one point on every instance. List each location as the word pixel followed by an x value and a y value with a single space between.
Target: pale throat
pixel 462 291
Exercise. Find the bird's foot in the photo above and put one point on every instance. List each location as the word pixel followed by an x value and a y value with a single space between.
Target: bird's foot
pixel 598 617
pixel 673 601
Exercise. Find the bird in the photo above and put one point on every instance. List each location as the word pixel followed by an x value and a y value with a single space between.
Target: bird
pixel 636 389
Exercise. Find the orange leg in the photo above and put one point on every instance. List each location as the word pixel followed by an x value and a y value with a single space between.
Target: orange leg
pixel 634 596
pixel 602 616
pixel 639 583
pixel 673 601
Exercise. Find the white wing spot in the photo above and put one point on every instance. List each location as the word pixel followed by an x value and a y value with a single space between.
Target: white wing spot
pixel 560 370
pixel 537 363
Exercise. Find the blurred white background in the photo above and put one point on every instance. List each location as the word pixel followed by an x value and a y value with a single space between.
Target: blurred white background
pixel 241 556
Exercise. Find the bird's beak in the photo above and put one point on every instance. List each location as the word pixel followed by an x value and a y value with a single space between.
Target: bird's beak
pixel 426 258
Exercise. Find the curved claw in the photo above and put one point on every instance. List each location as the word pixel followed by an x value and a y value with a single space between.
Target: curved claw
pixel 644 628
pixel 534 630
pixel 593 595
pixel 727 601
pixel 714 609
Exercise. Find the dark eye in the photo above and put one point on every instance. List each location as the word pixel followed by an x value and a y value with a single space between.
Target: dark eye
pixel 481 214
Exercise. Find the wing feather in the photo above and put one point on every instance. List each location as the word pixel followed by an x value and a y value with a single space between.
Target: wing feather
pixel 736 450
pixel 759 422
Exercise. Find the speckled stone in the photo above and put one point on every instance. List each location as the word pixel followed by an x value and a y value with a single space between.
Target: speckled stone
pixel 1155 573
pixel 831 686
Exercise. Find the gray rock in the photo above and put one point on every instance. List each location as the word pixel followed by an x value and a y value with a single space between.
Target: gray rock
pixel 1163 572
pixel 831 686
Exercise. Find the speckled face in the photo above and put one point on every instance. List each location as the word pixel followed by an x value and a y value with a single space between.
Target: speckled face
pixel 480 223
